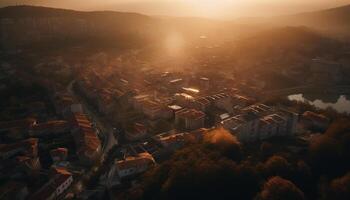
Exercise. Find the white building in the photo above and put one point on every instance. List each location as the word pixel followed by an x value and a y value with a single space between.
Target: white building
pixel 259 122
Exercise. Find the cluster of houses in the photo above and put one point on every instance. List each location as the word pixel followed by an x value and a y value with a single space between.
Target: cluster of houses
pixel 185 103
pixel 20 157
pixel 149 152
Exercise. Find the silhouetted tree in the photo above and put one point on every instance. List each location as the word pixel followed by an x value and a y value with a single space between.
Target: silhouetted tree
pixel 277 188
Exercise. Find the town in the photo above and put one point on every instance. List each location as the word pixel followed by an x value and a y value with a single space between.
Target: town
pixel 135 119
pixel 119 105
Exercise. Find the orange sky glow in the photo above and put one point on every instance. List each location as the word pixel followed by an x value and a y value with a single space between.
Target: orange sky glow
pixel 199 8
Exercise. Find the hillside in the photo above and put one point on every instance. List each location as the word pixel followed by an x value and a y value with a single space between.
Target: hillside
pixel 334 21
pixel 286 45
pixel 335 18
pixel 28 25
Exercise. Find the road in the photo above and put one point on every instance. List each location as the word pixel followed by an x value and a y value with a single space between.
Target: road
pixel 105 132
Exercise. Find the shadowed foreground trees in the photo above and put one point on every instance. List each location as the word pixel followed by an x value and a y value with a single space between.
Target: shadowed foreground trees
pixel 200 173
pixel 219 169
pixel 277 188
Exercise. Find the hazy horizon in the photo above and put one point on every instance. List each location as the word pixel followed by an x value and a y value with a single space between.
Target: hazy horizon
pixel 224 9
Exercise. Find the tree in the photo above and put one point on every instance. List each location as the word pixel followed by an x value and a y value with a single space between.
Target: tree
pixel 277 166
pixel 201 172
pixel 329 153
pixel 277 188
pixel 339 188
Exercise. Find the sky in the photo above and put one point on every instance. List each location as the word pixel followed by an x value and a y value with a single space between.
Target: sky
pixel 198 8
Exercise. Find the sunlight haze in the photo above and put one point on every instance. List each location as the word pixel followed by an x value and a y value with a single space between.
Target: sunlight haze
pixel 199 8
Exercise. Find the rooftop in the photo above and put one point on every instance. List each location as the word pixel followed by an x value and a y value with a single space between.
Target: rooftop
pixel 190 114
pixel 135 161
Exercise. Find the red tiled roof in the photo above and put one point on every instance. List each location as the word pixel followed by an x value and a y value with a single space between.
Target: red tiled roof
pixel 133 162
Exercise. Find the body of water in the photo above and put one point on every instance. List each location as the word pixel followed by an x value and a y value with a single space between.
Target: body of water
pixel 340 103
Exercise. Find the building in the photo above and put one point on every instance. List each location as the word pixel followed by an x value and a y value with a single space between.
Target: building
pixel 176 84
pixel 313 120
pixel 63 102
pixel 240 101
pixel 222 101
pixel 134 165
pixel 174 109
pixel 259 109
pixel 22 125
pixel 76 108
pixel 86 139
pixel 59 154
pixel 204 83
pixel 50 127
pixel 189 119
pixel 55 188
pixel 259 122
pixel 244 126
pixel 28 147
pixel 152 109
pixel 272 125
pixel 183 99
pixel 171 141
pixel 202 104
pixel 135 132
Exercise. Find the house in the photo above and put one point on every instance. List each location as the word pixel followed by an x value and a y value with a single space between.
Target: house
pixel 134 165
pixel 55 188
pixel 189 119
